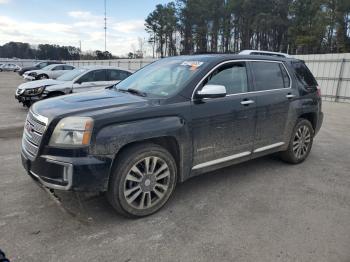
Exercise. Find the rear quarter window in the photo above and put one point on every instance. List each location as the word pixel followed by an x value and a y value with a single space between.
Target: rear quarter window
pixel 303 74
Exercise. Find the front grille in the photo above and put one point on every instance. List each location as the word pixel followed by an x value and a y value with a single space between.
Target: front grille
pixel 34 130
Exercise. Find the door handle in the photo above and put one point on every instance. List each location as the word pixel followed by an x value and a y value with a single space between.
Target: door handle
pixel 247 102
pixel 289 96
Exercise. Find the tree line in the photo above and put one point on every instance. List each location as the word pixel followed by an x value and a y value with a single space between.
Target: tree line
pixel 228 26
pixel 49 52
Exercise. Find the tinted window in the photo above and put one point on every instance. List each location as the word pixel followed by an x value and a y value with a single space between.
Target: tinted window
pixel 233 76
pixel 267 76
pixel 96 75
pixel 303 74
pixel 68 67
pixel 286 79
pixel 113 75
pixel 117 75
pixel 42 65
pixel 58 68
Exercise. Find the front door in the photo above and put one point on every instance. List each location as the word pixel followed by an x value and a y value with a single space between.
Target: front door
pixel 223 128
pixel 272 86
pixel 92 80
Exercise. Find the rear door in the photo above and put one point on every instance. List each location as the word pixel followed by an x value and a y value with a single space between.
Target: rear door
pixel 57 71
pixel 114 76
pixel 223 128
pixel 272 86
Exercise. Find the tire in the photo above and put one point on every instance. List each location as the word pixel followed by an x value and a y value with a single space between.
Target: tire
pixel 27 104
pixel 301 140
pixel 135 193
pixel 41 77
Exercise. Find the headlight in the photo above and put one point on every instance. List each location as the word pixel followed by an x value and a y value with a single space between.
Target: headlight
pixel 72 132
pixel 34 91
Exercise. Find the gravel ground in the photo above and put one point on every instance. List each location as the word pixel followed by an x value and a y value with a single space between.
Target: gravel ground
pixel 12 114
pixel 262 210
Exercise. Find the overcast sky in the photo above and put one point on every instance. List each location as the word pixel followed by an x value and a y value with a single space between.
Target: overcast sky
pixel 65 22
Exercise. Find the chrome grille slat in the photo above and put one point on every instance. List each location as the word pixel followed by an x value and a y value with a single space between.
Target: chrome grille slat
pixel 32 135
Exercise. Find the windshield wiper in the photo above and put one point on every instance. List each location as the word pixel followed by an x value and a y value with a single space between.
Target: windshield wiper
pixel 134 92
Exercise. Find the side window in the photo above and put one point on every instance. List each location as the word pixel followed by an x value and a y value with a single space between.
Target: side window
pixel 42 65
pixel 304 75
pixel 117 75
pixel 88 77
pixel 57 68
pixel 267 76
pixel 99 75
pixel 124 74
pixel 233 76
pixel 286 79
pixel 113 75
pixel 66 67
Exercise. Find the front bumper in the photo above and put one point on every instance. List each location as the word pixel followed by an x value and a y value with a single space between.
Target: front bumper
pixel 28 78
pixel 88 173
pixel 28 99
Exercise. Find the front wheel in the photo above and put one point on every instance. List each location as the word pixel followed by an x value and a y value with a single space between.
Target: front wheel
pixel 300 143
pixel 42 77
pixel 143 180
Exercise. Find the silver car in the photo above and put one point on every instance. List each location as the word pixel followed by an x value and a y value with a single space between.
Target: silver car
pixel 51 71
pixel 75 81
pixel 9 67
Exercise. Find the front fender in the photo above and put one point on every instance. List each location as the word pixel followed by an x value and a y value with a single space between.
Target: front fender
pixel 58 88
pixel 110 139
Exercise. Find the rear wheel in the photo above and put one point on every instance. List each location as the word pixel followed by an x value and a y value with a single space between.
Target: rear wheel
pixel 142 181
pixel 300 143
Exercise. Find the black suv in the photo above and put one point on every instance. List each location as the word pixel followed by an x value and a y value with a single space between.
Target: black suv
pixel 38 66
pixel 171 120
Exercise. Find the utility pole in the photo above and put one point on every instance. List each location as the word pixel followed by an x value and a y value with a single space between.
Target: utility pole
pixel 105 28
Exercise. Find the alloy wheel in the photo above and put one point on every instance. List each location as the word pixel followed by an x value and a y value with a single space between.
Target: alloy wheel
pixel 147 182
pixel 301 142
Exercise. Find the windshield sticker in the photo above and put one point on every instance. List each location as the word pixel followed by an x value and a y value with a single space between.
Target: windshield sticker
pixel 192 64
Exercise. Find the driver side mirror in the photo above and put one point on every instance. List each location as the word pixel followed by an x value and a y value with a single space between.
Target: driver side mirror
pixel 211 91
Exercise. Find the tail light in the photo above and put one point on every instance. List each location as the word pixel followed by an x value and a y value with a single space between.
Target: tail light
pixel 318 91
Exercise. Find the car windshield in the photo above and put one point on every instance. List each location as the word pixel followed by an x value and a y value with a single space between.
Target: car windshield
pixel 70 75
pixel 163 78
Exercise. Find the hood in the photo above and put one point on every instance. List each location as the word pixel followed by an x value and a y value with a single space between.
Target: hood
pixel 88 104
pixel 38 71
pixel 39 83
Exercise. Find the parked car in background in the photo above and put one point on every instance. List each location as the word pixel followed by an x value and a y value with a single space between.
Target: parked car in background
pixel 75 81
pixel 171 120
pixel 9 67
pixel 38 66
pixel 49 72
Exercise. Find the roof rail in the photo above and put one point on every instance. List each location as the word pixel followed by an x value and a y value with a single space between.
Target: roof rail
pixel 260 52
